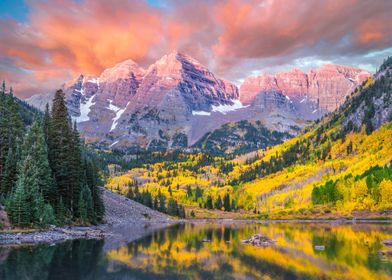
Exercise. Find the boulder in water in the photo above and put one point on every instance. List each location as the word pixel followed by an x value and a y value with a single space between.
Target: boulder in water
pixel 259 241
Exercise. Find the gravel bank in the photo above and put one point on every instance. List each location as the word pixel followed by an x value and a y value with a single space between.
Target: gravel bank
pixel 125 221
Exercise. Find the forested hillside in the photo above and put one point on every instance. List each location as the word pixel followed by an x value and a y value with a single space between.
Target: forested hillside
pixel 240 137
pixel 339 165
pixel 46 176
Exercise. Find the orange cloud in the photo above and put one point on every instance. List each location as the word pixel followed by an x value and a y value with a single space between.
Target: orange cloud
pixel 64 38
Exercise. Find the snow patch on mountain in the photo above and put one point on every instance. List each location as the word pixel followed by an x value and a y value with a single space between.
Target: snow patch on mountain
pixel 114 143
pixel 94 81
pixel 85 109
pixel 81 90
pixel 118 112
pixel 201 113
pixel 223 109
pixel 112 107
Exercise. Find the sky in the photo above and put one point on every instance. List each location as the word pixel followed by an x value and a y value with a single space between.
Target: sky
pixel 45 43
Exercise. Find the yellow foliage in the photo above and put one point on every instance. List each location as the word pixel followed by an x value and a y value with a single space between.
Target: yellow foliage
pixel 386 193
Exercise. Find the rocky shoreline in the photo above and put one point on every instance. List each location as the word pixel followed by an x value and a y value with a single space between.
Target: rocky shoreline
pixel 125 220
pixel 53 235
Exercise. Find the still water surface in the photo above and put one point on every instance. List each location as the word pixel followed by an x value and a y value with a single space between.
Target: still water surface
pixel 214 251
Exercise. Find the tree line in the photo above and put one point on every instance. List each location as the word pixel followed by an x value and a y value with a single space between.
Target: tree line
pixel 171 207
pixel 46 176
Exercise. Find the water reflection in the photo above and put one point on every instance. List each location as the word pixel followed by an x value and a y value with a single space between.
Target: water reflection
pixel 214 251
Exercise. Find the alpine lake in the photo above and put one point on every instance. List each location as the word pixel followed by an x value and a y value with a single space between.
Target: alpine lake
pixel 302 250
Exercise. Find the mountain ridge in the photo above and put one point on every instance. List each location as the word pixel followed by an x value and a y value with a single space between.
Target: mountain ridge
pixel 176 98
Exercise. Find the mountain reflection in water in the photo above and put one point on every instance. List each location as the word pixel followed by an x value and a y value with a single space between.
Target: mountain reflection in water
pixel 214 251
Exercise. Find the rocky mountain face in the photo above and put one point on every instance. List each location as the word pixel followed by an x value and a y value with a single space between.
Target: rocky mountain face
pixel 373 107
pixel 312 93
pixel 176 101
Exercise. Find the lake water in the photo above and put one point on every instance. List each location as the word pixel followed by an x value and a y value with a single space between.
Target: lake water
pixel 181 252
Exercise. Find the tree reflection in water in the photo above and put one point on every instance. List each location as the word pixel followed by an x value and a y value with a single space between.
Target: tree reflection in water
pixel 214 251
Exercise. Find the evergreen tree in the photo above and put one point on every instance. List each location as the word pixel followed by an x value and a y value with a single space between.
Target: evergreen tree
pixel 18 208
pixel 218 203
pixel 181 212
pixel 130 193
pixel 162 202
pixel 9 175
pixel 85 207
pixel 64 155
pixel 43 213
pixel 34 145
pixel 198 193
pixel 75 169
pixel 60 212
pixel 11 132
pixel 188 191
pixel 59 138
pixel 209 202
pixel 172 207
pixel 147 199
pixel 226 202
pixel 156 203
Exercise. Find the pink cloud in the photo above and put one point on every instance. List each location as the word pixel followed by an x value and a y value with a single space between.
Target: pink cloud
pixel 64 38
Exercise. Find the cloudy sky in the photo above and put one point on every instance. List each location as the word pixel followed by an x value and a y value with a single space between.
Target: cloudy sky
pixel 44 43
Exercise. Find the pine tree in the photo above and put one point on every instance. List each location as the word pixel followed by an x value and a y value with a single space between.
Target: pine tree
pixel 172 208
pixel 9 175
pixel 43 213
pixel 209 202
pixel 147 199
pixel 198 193
pixel 11 132
pixel 130 193
pixel 226 202
pixel 156 203
pixel 188 191
pixel 85 206
pixel 34 145
pixel 18 207
pixel 181 212
pixel 46 122
pixel 162 202
pixel 218 203
pixel 63 154
pixel 60 212
pixel 58 146
pixel 75 169
pixel 92 180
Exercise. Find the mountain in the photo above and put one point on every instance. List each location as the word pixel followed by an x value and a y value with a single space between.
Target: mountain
pixel 176 101
pixel 315 92
pixel 339 166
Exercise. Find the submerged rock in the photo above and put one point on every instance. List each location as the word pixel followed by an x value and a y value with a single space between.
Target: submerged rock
pixel 259 240
pixel 319 247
